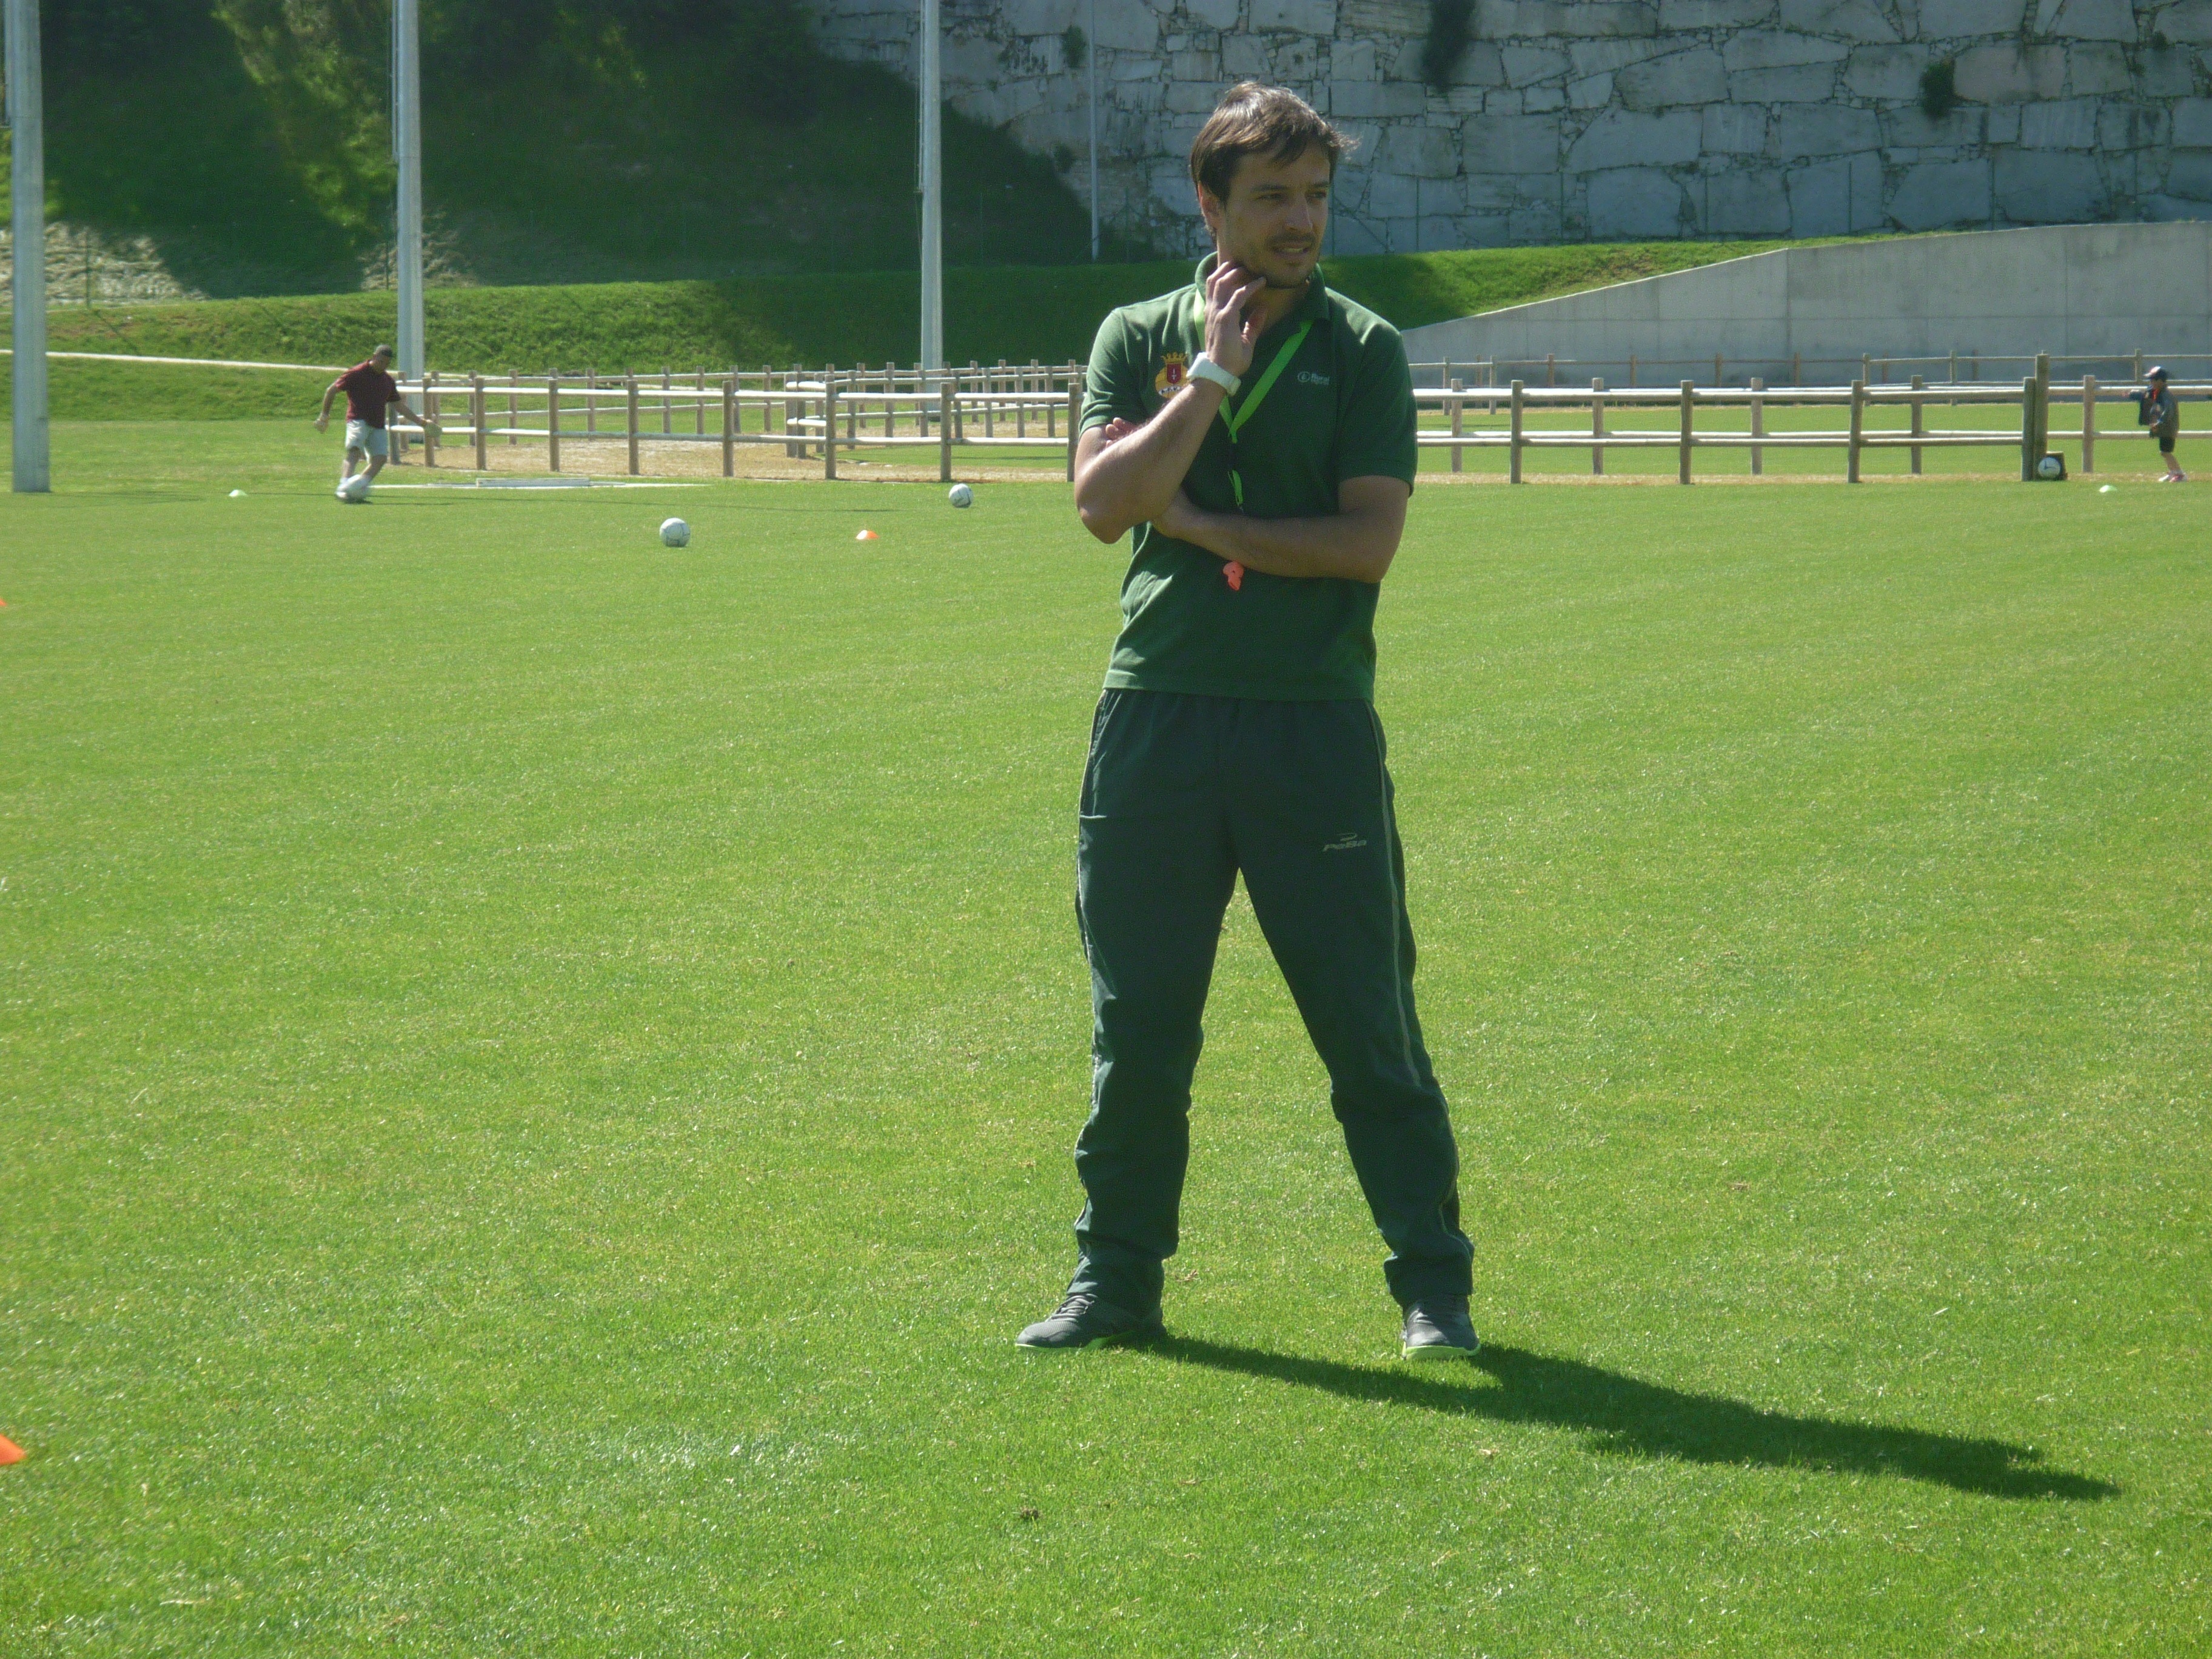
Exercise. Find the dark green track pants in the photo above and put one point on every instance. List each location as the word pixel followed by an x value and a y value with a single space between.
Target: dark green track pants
pixel 1180 794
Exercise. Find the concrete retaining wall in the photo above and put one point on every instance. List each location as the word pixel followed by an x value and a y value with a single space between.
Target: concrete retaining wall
pixel 2077 291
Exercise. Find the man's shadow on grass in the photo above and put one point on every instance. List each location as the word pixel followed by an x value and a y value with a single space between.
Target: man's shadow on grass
pixel 1630 1417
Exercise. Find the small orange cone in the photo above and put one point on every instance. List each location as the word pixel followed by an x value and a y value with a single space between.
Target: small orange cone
pixel 9 1451
pixel 867 535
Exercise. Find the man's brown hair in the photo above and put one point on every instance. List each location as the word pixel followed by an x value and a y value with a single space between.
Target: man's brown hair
pixel 1255 120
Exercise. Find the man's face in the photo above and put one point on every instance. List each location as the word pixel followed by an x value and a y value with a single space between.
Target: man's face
pixel 382 359
pixel 1273 221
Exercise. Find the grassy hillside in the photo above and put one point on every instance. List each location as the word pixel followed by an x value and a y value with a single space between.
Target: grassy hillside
pixel 1014 312
pixel 563 140
pixel 165 391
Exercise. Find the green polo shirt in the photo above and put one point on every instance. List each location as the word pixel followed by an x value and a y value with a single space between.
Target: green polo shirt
pixel 1342 408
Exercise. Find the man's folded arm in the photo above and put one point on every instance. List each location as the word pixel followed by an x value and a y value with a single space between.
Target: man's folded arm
pixel 1126 474
pixel 1356 543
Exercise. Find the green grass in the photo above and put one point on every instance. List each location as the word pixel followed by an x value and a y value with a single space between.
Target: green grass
pixel 1017 312
pixel 80 391
pixel 536 1075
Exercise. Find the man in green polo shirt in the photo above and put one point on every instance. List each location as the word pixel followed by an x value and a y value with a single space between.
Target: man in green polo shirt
pixel 1257 432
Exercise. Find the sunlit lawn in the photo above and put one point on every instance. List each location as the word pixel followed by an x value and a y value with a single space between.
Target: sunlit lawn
pixel 536 1075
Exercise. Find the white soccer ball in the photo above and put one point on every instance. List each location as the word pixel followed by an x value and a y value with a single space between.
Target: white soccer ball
pixel 960 495
pixel 2051 467
pixel 356 489
pixel 674 532
pixel 2105 489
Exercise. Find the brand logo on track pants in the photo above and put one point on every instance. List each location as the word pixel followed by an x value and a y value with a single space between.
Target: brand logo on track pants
pixel 1344 842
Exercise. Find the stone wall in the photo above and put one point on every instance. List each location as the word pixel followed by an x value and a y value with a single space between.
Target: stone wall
pixel 1575 119
pixel 89 267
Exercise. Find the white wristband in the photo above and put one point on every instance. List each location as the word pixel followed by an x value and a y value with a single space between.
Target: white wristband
pixel 1203 367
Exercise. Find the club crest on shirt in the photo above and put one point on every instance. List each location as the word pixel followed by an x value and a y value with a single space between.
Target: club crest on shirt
pixel 1174 375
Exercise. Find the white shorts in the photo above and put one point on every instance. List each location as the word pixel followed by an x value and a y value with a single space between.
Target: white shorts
pixel 360 435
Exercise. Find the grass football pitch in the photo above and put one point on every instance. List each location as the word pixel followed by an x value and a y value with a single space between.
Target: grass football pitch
pixel 536 1075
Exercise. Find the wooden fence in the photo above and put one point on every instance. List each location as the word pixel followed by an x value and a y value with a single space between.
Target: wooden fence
pixel 1957 367
pixel 818 416
pixel 812 415
pixel 2034 397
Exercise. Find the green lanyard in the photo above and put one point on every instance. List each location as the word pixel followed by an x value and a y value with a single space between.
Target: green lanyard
pixel 1252 399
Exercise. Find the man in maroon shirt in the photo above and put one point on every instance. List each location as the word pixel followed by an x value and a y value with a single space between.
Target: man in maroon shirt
pixel 370 392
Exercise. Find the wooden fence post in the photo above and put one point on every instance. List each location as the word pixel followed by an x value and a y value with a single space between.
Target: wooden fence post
pixel 1074 419
pixel 829 423
pixel 730 426
pixel 2028 428
pixel 1551 369
pixel 1597 427
pixel 1859 431
pixel 552 421
pixel 1513 443
pixel 2088 424
pixel 1689 397
pixel 945 417
pixel 699 404
pixel 429 420
pixel 2042 406
pixel 630 401
pixel 477 419
pixel 1919 423
pixel 514 417
pixel 1758 425
pixel 591 397
pixel 1458 427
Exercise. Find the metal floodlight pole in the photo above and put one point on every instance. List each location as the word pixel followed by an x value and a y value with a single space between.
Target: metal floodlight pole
pixel 26 118
pixel 1090 63
pixel 932 191
pixel 407 151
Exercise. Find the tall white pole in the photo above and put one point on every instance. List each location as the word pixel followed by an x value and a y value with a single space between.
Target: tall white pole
pixel 932 191
pixel 1090 62
pixel 26 116
pixel 407 150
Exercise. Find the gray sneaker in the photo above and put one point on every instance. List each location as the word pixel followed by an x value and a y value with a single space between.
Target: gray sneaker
pixel 1437 1328
pixel 1081 1321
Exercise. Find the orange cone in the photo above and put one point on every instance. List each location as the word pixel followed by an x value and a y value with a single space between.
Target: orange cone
pixel 9 1451
pixel 867 535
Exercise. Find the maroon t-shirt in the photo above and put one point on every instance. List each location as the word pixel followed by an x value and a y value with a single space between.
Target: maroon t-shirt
pixel 368 389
